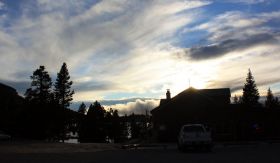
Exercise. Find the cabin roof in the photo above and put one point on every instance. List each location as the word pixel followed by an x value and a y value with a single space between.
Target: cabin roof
pixel 197 93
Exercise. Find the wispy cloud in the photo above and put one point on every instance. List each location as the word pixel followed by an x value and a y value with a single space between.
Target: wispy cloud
pixel 116 42
pixel 128 46
pixel 236 41
pixel 2 5
pixel 247 1
pixel 237 25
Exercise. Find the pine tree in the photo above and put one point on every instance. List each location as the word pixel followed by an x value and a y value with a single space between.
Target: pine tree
pixel 277 103
pixel 82 108
pixel 36 122
pixel 40 90
pixel 95 127
pixel 250 92
pixel 235 99
pixel 63 92
pixel 96 111
pixel 271 101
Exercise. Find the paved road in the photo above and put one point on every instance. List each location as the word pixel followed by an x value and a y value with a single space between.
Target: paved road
pixel 260 153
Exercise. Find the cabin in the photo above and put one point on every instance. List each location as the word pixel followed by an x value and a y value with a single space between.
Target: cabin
pixel 207 106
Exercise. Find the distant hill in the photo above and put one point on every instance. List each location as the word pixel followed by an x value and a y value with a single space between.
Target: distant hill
pixel 4 89
pixel 11 105
pixel 9 96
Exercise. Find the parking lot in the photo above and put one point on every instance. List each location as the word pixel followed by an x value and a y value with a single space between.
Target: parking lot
pixel 235 153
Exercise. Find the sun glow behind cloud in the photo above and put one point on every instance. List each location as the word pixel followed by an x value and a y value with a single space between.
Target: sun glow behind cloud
pixel 192 74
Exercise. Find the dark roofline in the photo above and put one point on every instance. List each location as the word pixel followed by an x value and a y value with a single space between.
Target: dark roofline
pixel 217 91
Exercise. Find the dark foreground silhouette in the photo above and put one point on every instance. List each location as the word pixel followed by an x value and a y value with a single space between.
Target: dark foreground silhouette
pixel 256 152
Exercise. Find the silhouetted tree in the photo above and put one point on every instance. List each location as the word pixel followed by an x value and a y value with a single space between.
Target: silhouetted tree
pixel 63 93
pixel 40 90
pixel 125 128
pixel 277 102
pixel 113 125
pixel 82 108
pixel 269 98
pixel 250 95
pixel 271 101
pixel 93 127
pixel 63 96
pixel 135 126
pixel 235 99
pixel 36 116
pixel 96 111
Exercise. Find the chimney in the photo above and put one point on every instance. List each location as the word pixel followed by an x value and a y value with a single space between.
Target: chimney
pixel 168 95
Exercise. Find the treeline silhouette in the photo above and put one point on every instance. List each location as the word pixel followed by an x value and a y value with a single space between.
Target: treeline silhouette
pixel 99 125
pixel 44 113
pixel 251 96
pixel 249 119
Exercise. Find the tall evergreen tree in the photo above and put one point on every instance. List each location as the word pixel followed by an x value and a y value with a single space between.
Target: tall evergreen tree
pixel 250 95
pixel 95 126
pixel 96 111
pixel 40 90
pixel 63 93
pixel 35 117
pixel 271 101
pixel 277 103
pixel 82 108
pixel 113 125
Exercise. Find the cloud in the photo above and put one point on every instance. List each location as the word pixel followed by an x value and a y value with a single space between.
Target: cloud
pixel 232 69
pixel 229 46
pixel 222 28
pixel 223 36
pixel 125 106
pixel 94 86
pixel 139 106
pixel 128 46
pixel 2 5
pixel 246 1
pixel 235 41
pixel 112 43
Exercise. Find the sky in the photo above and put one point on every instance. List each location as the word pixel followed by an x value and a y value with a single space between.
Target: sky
pixel 126 53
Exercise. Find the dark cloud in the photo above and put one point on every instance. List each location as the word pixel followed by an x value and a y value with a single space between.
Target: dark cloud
pixel 230 45
pixel 22 74
pixel 94 86
pixel 234 84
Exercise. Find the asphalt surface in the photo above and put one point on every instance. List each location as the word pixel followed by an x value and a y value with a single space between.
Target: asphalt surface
pixel 252 153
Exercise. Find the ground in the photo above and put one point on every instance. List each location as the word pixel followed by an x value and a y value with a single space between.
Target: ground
pixel 94 153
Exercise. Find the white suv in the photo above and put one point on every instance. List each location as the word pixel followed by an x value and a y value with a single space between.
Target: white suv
pixel 194 136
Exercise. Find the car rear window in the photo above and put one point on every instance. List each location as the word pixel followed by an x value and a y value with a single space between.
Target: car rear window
pixel 193 129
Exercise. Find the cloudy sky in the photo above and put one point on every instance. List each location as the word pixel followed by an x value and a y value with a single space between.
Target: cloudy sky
pixel 129 49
